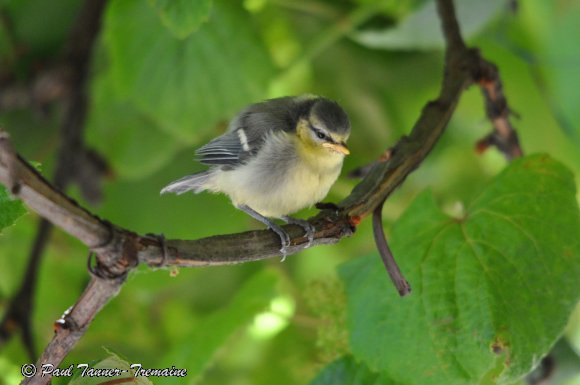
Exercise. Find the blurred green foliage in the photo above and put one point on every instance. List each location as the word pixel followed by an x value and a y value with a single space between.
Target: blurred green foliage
pixel 182 17
pixel 10 209
pixel 168 75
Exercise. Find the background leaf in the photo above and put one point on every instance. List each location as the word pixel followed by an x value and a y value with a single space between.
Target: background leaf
pixel 345 371
pixel 210 335
pixel 38 26
pixel 185 86
pixel 182 17
pixel 515 251
pixel 421 29
pixel 555 57
pixel 10 209
pixel 133 144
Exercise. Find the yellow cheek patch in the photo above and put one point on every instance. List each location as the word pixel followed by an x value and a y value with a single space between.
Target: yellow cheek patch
pixel 303 133
pixel 305 146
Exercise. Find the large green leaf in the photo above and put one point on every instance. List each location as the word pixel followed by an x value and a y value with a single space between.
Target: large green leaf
pixel 345 371
pixel 10 209
pixel 182 17
pixel 196 351
pixel 492 290
pixel 186 85
pixel 130 140
pixel 422 29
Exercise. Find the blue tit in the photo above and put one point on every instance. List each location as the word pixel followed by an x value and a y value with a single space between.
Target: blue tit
pixel 277 157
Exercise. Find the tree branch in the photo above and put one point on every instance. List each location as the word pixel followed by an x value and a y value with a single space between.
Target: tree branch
pixel 68 80
pixel 457 58
pixel 396 163
pixel 461 65
pixel 119 250
pixel 504 137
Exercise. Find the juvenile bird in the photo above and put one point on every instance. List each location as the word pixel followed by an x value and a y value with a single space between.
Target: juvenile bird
pixel 277 157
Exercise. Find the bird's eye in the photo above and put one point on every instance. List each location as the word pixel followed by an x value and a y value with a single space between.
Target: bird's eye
pixel 320 135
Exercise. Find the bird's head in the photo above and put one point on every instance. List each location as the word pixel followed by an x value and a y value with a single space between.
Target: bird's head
pixel 324 128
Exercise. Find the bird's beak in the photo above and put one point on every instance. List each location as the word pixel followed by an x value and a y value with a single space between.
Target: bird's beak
pixel 338 147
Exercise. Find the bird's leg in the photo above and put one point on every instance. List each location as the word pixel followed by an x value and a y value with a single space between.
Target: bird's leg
pixel 308 228
pixel 284 237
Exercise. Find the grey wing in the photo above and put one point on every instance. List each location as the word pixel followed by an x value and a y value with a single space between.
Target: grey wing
pixel 248 130
pixel 240 143
pixel 224 150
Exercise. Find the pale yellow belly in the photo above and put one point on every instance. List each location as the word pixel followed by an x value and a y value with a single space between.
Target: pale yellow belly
pixel 275 195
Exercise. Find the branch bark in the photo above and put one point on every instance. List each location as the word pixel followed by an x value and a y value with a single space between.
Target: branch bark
pixel 68 80
pixel 504 137
pixel 119 250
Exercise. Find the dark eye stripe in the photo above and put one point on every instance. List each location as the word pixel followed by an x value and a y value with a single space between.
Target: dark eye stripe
pixel 319 133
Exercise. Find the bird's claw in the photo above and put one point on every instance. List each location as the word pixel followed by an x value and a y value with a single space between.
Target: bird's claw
pixel 306 226
pixel 309 230
pixel 284 240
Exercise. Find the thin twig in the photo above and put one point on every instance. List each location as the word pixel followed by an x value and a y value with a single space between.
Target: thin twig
pixel 458 58
pixel 18 313
pixel 455 52
pixel 397 277
pixel 454 44
pixel 504 137
pixel 69 79
pixel 97 293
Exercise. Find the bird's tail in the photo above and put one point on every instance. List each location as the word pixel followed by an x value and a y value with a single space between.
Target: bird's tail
pixel 196 183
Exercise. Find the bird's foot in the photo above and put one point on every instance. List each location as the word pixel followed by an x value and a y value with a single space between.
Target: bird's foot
pixel 308 228
pixel 284 239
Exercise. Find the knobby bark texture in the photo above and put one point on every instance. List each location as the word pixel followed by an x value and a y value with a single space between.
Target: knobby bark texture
pixel 119 250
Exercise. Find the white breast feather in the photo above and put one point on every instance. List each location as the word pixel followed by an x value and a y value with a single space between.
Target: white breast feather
pixel 277 182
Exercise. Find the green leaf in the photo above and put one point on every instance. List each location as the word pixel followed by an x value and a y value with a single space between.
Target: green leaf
pixel 345 371
pixel 41 26
pixel 82 375
pixel 499 283
pixel 182 17
pixel 10 209
pixel 130 140
pixel 422 28
pixel 196 351
pixel 186 86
